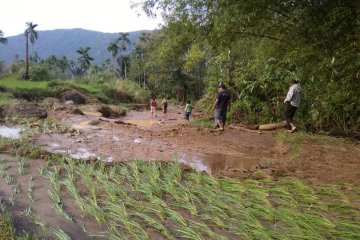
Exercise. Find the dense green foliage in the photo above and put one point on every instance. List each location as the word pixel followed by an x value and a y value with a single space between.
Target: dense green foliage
pixel 257 48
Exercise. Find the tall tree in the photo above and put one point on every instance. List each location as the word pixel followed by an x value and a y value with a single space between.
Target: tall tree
pixel 114 49
pixel 3 39
pixel 33 35
pixel 84 59
pixel 123 40
pixel 142 46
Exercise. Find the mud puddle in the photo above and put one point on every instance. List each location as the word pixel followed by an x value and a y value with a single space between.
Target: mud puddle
pixel 141 123
pixel 219 162
pixel 7 132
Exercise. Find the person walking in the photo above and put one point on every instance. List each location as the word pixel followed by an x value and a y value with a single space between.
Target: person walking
pixel 152 106
pixel 188 110
pixel 164 103
pixel 221 105
pixel 292 102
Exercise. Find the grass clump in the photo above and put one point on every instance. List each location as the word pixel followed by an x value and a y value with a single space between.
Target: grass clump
pixel 204 123
pixel 7 231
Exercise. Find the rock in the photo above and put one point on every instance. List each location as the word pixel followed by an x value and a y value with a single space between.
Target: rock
pixel 23 109
pixel 70 94
pixel 49 102
pixel 75 111
pixel 108 112
pixel 138 107
pixel 59 107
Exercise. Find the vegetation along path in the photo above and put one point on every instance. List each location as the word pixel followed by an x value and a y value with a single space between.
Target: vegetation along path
pixel 236 184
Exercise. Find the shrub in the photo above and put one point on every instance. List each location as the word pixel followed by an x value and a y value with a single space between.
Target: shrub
pixel 40 73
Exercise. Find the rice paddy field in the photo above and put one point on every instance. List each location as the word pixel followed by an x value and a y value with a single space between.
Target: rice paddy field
pixel 155 200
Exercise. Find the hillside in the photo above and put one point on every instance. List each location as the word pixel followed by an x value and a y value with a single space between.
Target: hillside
pixel 65 42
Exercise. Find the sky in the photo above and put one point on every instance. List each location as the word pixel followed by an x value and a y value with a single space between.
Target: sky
pixel 109 16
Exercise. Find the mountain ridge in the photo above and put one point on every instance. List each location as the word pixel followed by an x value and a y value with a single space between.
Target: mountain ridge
pixel 65 42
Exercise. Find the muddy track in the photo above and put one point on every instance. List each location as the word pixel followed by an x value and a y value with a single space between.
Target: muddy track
pixel 236 153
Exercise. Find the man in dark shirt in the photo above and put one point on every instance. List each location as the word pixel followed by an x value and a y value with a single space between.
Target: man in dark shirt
pixel 220 106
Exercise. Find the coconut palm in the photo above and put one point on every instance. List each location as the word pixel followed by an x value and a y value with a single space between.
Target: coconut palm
pixel 123 39
pixel 33 35
pixel 143 45
pixel 3 40
pixel 114 49
pixel 84 59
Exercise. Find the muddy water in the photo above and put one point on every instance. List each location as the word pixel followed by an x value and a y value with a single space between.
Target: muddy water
pixel 10 132
pixel 218 162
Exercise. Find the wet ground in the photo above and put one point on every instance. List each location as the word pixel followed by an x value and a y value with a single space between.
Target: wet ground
pixel 232 152
pixel 10 132
pixel 138 135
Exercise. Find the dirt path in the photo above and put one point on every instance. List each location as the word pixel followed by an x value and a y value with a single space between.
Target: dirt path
pixel 160 138
pixel 232 152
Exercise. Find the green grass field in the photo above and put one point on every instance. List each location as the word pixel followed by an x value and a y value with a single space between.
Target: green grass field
pixel 24 84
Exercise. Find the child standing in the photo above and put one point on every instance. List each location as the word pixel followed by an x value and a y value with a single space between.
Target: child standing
pixel 164 103
pixel 152 106
pixel 188 109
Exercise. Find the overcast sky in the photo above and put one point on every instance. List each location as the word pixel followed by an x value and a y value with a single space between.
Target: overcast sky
pixel 105 15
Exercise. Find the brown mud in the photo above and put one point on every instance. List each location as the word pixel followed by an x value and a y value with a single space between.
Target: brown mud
pixel 233 152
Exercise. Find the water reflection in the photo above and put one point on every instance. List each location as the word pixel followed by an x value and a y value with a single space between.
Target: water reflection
pixel 10 132
pixel 217 162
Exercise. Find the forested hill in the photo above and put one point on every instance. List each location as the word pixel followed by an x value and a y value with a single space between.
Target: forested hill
pixel 65 42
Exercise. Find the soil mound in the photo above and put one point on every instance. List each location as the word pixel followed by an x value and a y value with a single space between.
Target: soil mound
pixel 23 109
pixel 71 94
pixel 108 112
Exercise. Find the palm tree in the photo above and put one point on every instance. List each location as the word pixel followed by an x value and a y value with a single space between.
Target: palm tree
pixel 114 49
pixel 29 32
pixel 143 45
pixel 84 59
pixel 123 39
pixel 3 40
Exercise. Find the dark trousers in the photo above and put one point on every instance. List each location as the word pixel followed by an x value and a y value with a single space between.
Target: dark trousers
pixel 289 114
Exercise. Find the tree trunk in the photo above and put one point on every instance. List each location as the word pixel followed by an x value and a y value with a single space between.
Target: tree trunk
pixel 114 62
pixel 138 75
pixel 26 75
pixel 144 77
pixel 125 69
pixel 272 126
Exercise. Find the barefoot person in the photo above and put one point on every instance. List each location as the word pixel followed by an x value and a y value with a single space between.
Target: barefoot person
pixel 292 102
pixel 164 103
pixel 152 106
pixel 221 106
